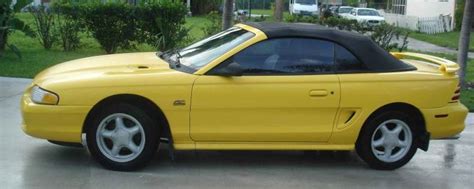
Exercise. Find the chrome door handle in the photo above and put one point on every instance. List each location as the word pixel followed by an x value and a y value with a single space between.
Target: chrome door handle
pixel 318 93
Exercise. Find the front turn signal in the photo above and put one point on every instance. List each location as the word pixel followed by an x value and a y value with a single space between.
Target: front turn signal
pixel 41 96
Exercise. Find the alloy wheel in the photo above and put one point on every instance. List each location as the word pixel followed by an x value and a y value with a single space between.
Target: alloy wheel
pixel 391 140
pixel 120 137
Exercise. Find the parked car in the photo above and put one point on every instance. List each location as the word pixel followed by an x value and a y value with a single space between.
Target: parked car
pixel 304 7
pixel 344 11
pixel 255 86
pixel 333 9
pixel 368 16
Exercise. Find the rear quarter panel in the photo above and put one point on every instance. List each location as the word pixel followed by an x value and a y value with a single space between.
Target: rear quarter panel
pixel 366 92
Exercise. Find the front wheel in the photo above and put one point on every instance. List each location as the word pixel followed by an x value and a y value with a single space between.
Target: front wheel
pixel 387 141
pixel 122 137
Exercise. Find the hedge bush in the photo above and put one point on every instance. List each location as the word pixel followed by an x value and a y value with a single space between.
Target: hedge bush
pixel 45 27
pixel 161 24
pixel 113 25
pixel 215 24
pixel 70 24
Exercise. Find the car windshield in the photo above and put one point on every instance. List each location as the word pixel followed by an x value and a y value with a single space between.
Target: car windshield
pixel 305 2
pixel 345 10
pixel 205 51
pixel 367 12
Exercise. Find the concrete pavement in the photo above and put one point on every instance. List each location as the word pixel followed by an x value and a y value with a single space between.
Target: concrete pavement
pixel 26 162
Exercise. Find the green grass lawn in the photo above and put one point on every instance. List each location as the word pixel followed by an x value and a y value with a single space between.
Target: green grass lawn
pixel 269 13
pixel 449 39
pixel 262 11
pixel 35 58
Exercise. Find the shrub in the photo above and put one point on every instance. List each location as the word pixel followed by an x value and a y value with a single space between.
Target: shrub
pixel 112 24
pixel 215 25
pixel 260 18
pixel 45 26
pixel 344 24
pixel 161 24
pixel 300 18
pixel 69 24
pixel 385 35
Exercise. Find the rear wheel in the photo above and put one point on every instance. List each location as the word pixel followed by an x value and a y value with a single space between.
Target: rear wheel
pixel 122 137
pixel 387 141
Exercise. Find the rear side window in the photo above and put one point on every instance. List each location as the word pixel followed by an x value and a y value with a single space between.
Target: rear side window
pixel 305 56
pixel 347 62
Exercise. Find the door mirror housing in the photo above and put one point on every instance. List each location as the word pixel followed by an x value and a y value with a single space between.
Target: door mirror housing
pixel 232 69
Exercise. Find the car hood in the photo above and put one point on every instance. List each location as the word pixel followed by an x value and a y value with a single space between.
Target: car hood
pixel 123 67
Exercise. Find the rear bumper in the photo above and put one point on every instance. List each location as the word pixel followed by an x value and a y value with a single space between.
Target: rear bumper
pixel 53 122
pixel 446 121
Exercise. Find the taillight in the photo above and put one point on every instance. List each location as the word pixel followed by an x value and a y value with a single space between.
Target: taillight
pixel 457 94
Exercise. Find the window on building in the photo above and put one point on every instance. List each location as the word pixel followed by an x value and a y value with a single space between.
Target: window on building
pixel 399 7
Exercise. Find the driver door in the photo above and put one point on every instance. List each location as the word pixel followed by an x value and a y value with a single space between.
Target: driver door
pixel 287 93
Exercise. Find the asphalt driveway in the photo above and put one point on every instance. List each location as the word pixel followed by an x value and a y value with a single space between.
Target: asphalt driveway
pixel 26 162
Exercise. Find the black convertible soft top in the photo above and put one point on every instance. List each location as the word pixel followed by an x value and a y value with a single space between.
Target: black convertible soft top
pixel 366 50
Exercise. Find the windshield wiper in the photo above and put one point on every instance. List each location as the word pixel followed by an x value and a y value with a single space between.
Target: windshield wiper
pixel 177 64
pixel 159 54
pixel 167 56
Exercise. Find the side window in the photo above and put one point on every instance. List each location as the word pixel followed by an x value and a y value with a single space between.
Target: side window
pixel 347 62
pixel 306 56
pixel 283 56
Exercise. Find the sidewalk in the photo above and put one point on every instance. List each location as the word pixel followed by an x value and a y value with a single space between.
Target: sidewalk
pixel 417 45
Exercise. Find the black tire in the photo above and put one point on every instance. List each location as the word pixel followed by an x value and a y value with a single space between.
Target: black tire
pixel 364 142
pixel 150 129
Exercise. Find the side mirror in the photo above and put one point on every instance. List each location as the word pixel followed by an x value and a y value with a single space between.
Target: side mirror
pixel 232 69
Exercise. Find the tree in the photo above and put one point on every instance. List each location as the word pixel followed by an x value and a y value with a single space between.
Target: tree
pixel 278 14
pixel 9 24
pixel 464 40
pixel 228 13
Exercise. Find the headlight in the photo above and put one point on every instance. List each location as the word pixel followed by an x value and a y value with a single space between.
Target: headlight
pixel 41 96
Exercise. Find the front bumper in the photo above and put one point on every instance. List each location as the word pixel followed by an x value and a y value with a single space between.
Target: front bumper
pixel 307 13
pixel 53 122
pixel 367 24
pixel 446 121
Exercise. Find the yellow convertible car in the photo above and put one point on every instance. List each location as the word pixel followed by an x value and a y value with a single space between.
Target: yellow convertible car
pixel 255 86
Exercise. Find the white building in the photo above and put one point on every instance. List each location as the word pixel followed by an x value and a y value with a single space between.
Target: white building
pixel 331 2
pixel 423 8
pixel 41 2
pixel 427 16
